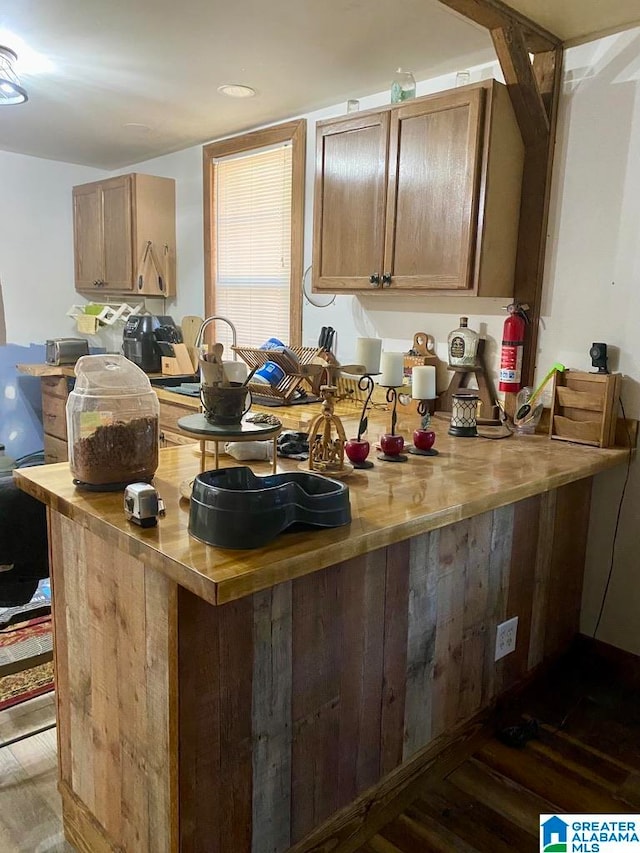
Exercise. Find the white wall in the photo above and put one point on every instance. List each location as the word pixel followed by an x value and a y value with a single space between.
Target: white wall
pixel 591 283
pixel 36 245
pixel 592 289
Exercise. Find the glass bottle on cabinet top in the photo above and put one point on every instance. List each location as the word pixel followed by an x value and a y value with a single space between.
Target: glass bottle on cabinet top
pixel 403 86
pixel 462 345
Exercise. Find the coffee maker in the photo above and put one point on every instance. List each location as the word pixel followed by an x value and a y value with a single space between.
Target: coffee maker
pixel 139 342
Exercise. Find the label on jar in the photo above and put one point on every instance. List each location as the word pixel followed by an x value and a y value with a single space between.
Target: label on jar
pixel 90 421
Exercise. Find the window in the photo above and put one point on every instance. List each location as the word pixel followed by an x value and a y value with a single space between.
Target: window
pixel 254 209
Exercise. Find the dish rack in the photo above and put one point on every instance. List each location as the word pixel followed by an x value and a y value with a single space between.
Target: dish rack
pixel 308 369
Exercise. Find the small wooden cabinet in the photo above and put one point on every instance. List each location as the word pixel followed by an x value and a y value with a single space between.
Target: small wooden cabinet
pixel 114 221
pixel 420 196
pixel 55 390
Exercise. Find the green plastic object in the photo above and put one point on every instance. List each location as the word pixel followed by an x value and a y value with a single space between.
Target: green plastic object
pixel 524 410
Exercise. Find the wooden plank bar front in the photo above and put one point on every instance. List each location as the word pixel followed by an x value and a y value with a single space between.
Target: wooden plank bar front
pixel 194 721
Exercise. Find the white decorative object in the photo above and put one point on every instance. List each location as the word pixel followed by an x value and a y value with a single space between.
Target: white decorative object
pixel 423 382
pixel 109 314
pixel 392 365
pixel 368 353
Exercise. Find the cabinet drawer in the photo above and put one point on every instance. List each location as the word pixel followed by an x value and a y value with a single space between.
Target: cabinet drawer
pixel 54 416
pixel 55 386
pixel 55 450
pixel 170 414
pixel 174 439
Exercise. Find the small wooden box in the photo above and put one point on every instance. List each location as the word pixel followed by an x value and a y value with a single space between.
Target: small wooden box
pixel 411 361
pixel 422 352
pixel 585 406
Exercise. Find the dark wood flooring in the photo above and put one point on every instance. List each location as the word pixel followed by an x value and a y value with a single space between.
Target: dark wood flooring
pixel 585 758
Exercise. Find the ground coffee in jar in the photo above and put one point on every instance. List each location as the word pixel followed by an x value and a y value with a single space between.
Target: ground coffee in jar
pixel 112 424
pixel 118 453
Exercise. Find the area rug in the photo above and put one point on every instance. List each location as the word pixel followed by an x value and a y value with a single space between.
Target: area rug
pixel 20 641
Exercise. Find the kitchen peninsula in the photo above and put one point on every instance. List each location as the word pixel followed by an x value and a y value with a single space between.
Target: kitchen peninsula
pixel 232 701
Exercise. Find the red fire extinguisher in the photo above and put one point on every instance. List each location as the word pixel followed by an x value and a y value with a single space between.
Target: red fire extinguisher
pixel 512 348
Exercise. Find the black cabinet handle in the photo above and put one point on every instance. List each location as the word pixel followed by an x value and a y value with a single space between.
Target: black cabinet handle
pixel 374 279
pixel 386 279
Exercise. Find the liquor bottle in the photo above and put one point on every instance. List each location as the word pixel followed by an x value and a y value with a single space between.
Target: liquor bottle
pixel 462 345
pixel 403 86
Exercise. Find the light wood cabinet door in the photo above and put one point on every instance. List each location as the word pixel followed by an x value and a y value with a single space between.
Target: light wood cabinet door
pixel 102 233
pixel 87 232
pixel 117 236
pixel 350 200
pixel 437 179
pixel 432 199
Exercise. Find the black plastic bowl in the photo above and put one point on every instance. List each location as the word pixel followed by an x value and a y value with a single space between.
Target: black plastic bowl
pixel 232 508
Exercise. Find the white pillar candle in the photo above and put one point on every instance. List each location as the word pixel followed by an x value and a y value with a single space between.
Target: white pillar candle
pixel 423 382
pixel 368 353
pixel 392 366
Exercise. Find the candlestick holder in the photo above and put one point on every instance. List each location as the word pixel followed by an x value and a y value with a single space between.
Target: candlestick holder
pixel 357 449
pixel 392 444
pixel 423 438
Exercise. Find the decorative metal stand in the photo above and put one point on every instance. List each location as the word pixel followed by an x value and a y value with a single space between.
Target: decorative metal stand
pixel 425 407
pixel 366 385
pixel 392 397
pixel 326 453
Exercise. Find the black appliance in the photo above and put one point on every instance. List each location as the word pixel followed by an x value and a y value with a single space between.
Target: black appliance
pixel 139 342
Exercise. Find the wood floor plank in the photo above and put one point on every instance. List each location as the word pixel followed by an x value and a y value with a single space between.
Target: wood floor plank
pixel 630 791
pixel 27 716
pixel 573 756
pixel 28 817
pixel 472 821
pixel 565 788
pixel 501 794
pixel 424 835
pixel 378 844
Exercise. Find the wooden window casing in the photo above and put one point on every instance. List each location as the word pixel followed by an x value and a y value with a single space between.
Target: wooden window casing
pixel 293 133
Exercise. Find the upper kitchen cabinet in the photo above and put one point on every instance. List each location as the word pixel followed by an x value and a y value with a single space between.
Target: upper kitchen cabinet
pixel 125 236
pixel 424 196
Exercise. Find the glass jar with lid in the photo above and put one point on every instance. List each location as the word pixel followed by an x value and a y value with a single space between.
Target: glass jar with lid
pixel 112 424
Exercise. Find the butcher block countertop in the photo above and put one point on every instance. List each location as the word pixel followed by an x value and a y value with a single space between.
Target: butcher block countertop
pixel 389 503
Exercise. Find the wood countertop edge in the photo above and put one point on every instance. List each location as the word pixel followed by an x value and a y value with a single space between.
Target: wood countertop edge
pixel 323 557
pixel 321 554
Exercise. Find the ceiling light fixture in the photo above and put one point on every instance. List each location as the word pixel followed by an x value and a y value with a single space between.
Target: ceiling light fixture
pixel 11 92
pixel 236 90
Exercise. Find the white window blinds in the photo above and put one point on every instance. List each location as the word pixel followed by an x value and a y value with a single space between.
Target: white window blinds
pixel 252 239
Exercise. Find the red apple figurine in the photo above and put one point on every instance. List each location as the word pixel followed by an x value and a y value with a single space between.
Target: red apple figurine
pixel 357 450
pixel 423 439
pixel 391 444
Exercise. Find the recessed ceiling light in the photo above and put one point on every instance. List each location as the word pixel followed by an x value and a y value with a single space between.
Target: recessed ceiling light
pixel 137 127
pixel 236 90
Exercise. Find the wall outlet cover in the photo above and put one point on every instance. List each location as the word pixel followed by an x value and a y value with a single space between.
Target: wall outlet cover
pixel 506 637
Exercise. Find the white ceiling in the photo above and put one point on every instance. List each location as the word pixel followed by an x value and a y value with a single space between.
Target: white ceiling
pixel 156 64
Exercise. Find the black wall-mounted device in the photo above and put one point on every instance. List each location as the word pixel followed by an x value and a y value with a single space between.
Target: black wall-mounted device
pixel 598 353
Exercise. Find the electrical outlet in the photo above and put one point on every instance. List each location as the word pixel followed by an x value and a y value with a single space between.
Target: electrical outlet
pixel 506 637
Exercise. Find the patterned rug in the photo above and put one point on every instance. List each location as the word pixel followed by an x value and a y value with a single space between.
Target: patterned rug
pixel 25 640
